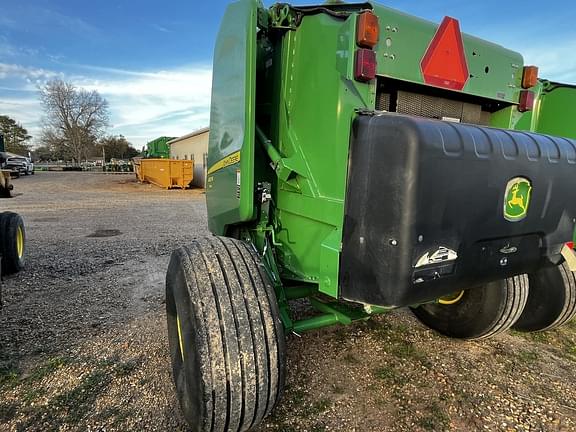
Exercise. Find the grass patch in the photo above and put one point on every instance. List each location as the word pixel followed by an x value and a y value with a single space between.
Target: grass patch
pixel 540 337
pixel 318 407
pixel 9 377
pixel 76 403
pixel 32 394
pixel 73 406
pixel 350 359
pixel 48 368
pixel 123 369
pixel 117 415
pixel 8 411
pixel 387 373
pixel 406 350
pixel 436 419
pixel 338 389
pixel 528 357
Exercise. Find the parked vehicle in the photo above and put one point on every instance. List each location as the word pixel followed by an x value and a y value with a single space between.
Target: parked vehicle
pixel 365 160
pixel 23 165
pixel 12 231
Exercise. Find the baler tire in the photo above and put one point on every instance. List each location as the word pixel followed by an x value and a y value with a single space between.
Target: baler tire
pixel 551 301
pixel 482 312
pixel 226 338
pixel 12 242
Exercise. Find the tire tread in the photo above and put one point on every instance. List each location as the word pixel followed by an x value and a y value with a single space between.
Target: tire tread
pixel 233 302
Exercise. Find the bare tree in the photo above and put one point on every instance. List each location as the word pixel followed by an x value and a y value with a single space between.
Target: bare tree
pixel 74 118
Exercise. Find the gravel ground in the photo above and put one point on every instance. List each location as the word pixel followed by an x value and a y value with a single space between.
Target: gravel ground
pixel 83 336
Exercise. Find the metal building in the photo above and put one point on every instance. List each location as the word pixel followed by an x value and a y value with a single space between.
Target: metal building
pixel 193 146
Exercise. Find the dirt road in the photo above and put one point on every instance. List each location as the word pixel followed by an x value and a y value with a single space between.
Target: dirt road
pixel 83 338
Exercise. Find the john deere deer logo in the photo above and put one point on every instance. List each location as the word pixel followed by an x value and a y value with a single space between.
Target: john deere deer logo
pixel 517 199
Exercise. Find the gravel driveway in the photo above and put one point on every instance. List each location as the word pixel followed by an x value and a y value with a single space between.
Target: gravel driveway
pixel 83 338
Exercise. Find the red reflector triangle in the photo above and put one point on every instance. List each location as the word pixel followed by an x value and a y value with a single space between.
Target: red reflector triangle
pixel 444 63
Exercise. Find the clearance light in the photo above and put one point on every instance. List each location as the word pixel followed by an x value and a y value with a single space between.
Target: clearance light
pixel 368 30
pixel 365 65
pixel 526 102
pixel 530 76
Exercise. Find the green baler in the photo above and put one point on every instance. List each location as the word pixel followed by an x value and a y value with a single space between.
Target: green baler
pixel 365 160
pixel 158 148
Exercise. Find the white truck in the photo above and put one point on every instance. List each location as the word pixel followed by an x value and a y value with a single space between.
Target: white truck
pixel 21 164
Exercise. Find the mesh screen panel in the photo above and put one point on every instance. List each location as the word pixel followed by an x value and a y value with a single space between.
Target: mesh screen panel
pixel 433 107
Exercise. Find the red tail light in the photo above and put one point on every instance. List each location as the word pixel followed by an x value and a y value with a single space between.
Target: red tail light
pixel 570 245
pixel 365 65
pixel 526 102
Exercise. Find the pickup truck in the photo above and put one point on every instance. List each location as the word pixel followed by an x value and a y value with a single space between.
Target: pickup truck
pixel 21 164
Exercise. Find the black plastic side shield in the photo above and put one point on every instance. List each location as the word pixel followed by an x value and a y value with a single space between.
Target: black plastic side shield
pixel 433 207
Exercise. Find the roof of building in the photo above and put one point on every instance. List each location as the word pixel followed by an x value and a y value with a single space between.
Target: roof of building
pixel 190 135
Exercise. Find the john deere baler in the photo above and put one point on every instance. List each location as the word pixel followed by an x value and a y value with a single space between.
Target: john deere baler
pixel 365 160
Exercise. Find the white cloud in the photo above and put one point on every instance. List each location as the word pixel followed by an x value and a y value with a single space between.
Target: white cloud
pixel 29 73
pixel 143 105
pixel 558 64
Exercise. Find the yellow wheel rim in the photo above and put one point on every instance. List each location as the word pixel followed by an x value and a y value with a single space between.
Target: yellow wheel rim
pixel 180 344
pixel 451 298
pixel 19 242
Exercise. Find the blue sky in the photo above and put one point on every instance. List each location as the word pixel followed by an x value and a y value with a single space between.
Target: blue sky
pixel 152 60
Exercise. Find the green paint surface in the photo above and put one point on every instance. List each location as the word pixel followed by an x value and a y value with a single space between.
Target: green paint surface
pixel 230 190
pixel 158 148
pixel 556 110
pixel 494 72
pixel 290 77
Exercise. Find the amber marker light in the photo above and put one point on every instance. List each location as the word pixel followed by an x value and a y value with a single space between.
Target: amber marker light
pixel 368 30
pixel 530 76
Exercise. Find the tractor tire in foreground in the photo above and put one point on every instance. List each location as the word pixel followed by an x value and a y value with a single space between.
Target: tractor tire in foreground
pixel 226 339
pixel 552 299
pixel 12 242
pixel 479 312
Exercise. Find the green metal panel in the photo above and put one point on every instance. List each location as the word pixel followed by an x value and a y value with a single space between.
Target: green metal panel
pixel 294 133
pixel 230 183
pixel 495 72
pixel 312 115
pixel 555 110
pixel 159 148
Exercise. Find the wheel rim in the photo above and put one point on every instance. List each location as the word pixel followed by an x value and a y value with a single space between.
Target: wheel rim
pixel 180 343
pixel 451 298
pixel 19 242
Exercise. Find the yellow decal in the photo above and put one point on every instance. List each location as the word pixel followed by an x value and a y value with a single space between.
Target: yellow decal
pixel 231 159
pixel 517 199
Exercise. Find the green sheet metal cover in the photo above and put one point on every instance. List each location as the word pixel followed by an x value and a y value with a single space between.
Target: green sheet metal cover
pixel 557 109
pixel 229 193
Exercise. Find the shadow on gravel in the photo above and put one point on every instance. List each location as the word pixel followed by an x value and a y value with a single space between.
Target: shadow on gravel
pixel 105 233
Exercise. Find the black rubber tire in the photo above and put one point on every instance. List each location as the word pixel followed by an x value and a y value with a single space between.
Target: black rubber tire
pixel 11 227
pixel 552 299
pixel 230 373
pixel 482 312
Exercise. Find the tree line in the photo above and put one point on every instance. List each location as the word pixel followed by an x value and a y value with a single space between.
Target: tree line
pixel 73 127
